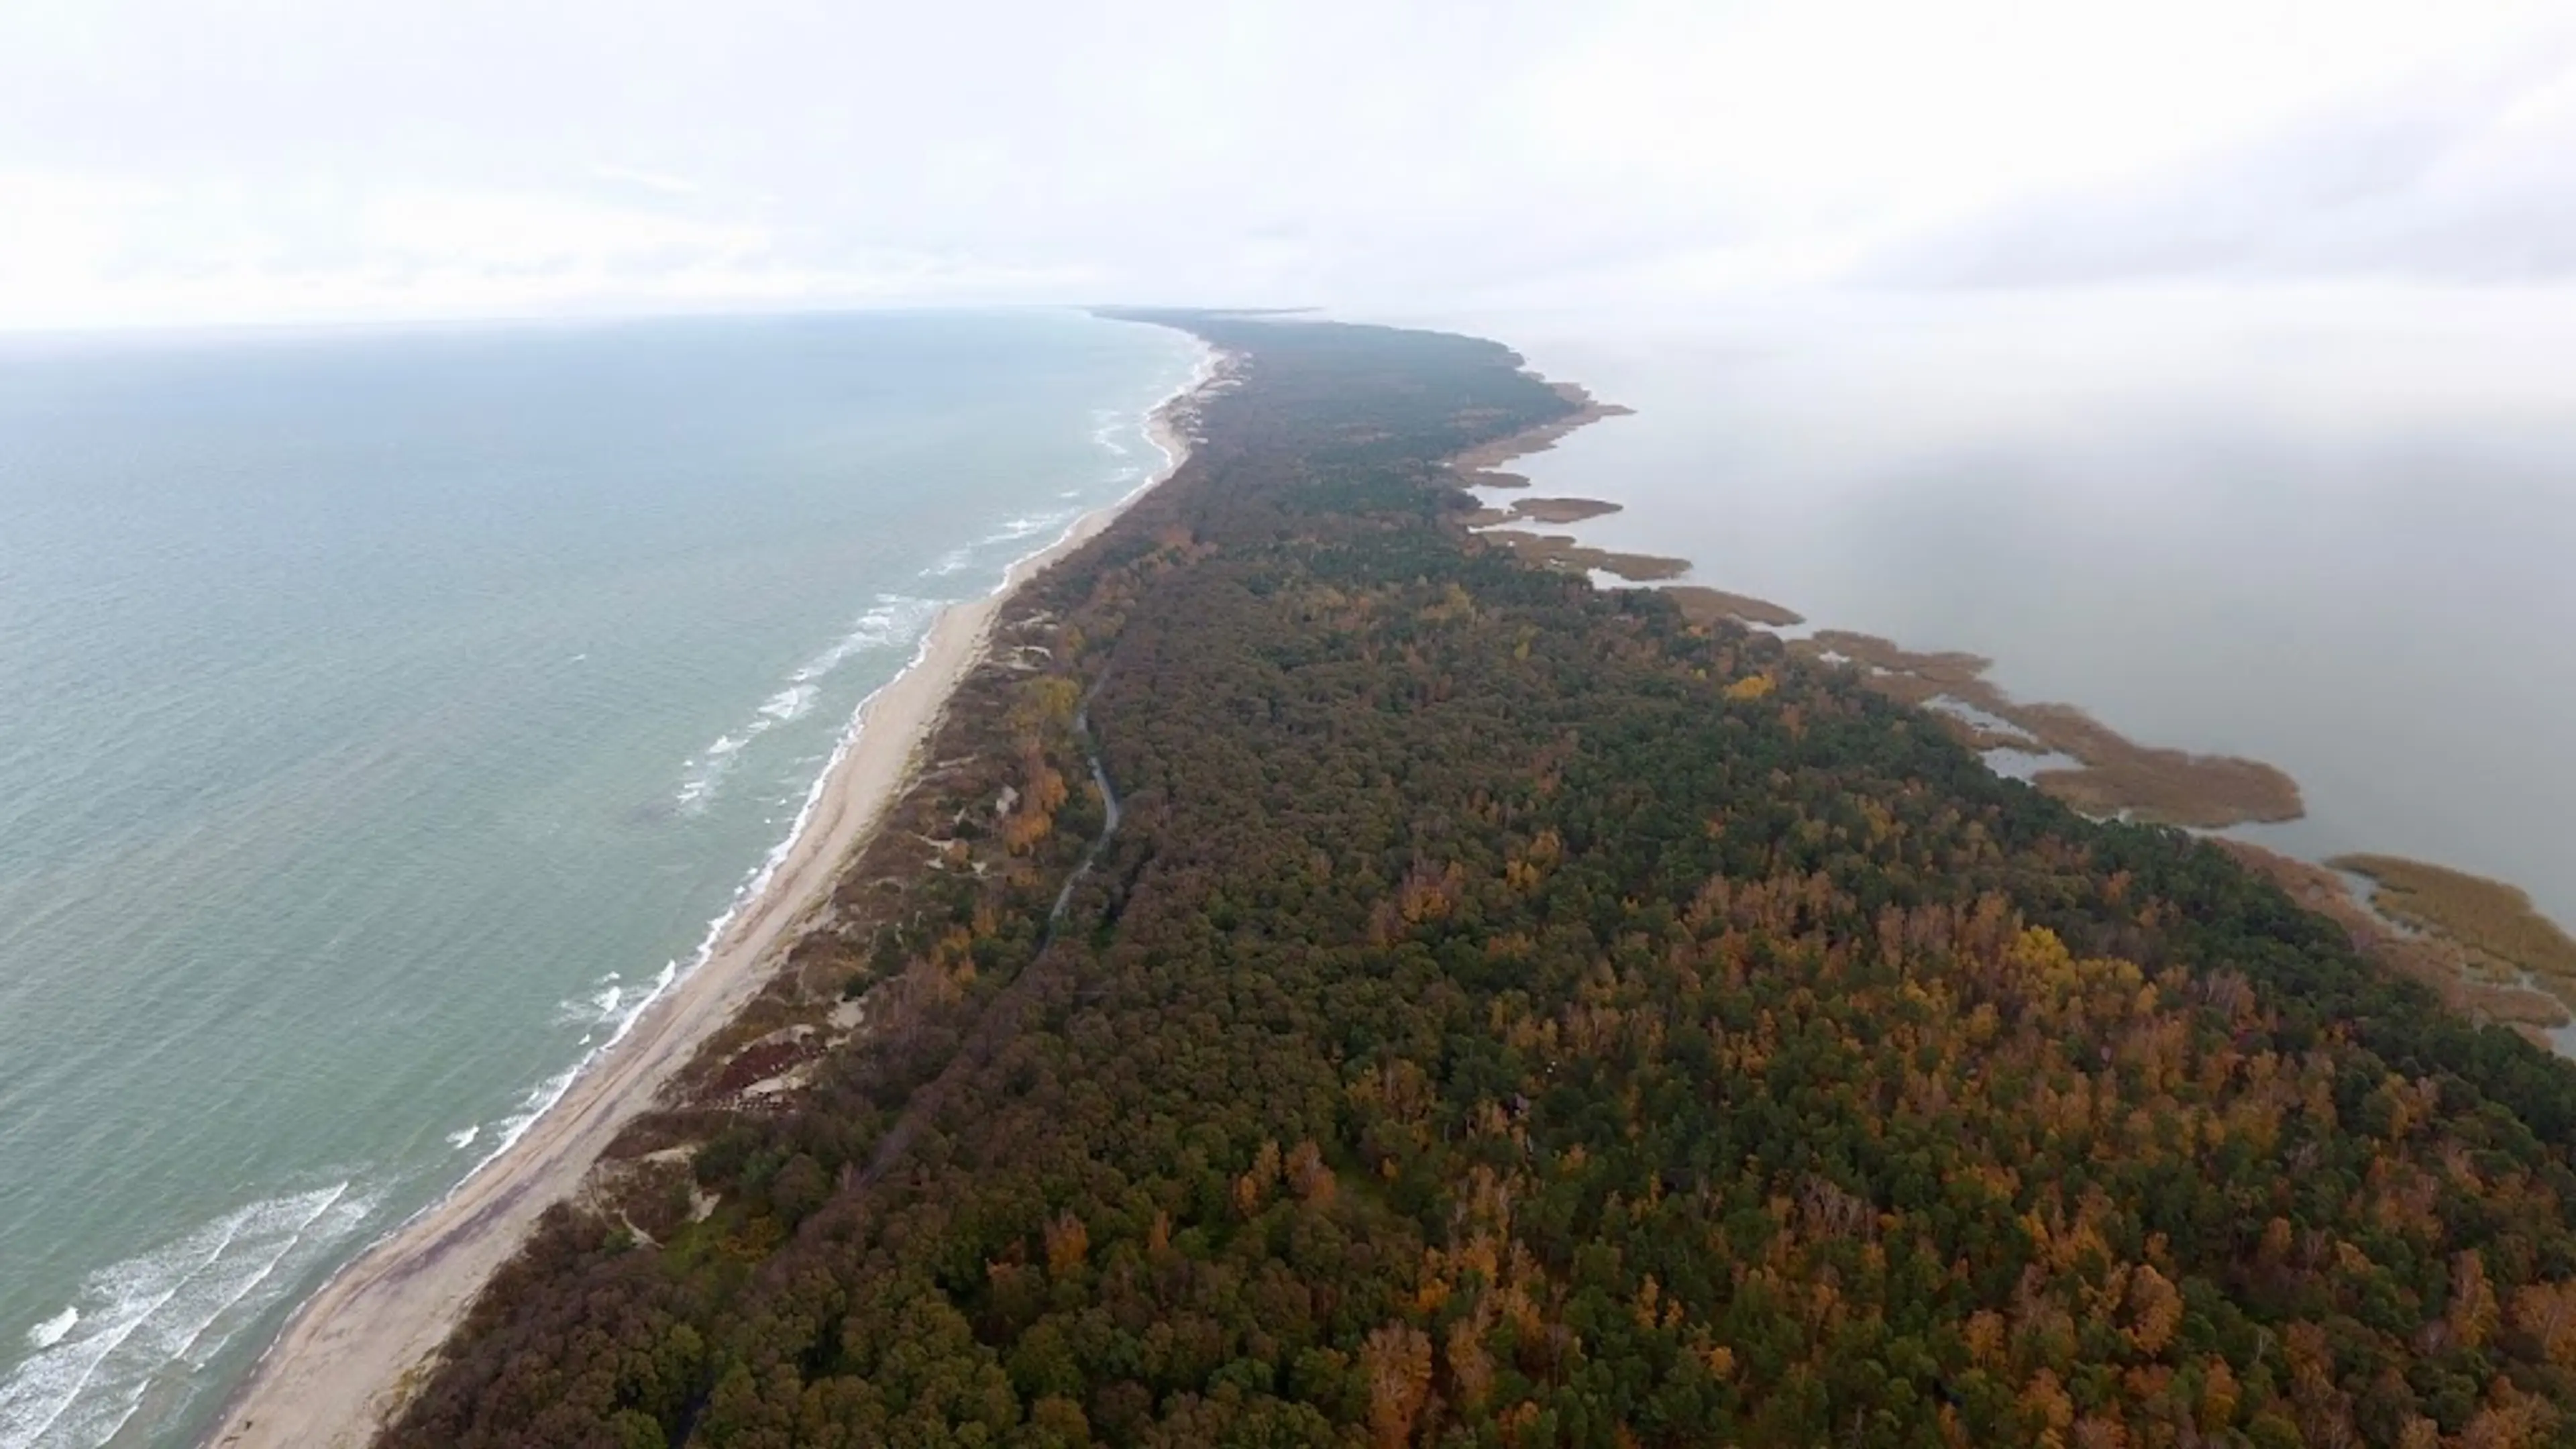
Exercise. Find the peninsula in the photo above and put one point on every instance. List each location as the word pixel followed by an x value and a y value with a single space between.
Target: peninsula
pixel 1332 977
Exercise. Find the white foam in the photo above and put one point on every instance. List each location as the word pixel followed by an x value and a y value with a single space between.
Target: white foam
pixel 893 617
pixel 596 1007
pixel 1030 524
pixel 1109 424
pixel 151 1320
pixel 51 1331
pixel 463 1137
pixel 700 776
pixel 888 622
pixel 190 1296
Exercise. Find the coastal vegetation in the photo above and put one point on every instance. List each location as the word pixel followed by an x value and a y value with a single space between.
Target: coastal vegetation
pixel 1479 465
pixel 2109 774
pixel 2480 944
pixel 1512 1013
pixel 2113 775
pixel 1562 551
pixel 2467 983
pixel 1701 604
pixel 2505 936
pixel 1544 510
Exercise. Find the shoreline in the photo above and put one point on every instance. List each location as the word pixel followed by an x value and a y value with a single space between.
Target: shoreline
pixel 345 1357
pixel 2089 766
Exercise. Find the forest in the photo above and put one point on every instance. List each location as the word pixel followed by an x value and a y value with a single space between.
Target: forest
pixel 1510 1013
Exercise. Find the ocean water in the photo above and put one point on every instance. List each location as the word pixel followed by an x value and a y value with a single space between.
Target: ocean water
pixel 385 717
pixel 2331 530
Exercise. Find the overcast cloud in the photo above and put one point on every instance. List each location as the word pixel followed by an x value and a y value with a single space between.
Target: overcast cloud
pixel 207 161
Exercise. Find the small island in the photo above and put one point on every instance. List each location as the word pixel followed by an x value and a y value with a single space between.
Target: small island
pixel 1543 510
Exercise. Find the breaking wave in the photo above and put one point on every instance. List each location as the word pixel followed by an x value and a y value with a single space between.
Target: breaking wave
pixel 153 1321
pixel 893 621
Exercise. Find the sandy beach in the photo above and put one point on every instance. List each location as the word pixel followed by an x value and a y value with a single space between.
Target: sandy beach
pixel 349 1352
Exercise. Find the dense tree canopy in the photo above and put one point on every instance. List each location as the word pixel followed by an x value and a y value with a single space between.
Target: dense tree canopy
pixel 1508 1014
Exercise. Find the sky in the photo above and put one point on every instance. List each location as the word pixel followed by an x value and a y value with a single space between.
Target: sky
pixel 218 162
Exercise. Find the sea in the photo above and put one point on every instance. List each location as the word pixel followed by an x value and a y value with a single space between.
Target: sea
pixel 2333 528
pixel 387 716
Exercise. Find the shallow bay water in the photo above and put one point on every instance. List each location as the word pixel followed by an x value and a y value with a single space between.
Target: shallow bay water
pixel 2333 531
pixel 385 716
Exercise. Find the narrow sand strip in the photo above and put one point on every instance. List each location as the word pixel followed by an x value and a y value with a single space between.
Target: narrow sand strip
pixel 338 1368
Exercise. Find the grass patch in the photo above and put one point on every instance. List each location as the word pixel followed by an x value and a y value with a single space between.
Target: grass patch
pixel 1479 467
pixel 1703 605
pixel 1542 510
pixel 1559 551
pixel 2117 776
pixel 2488 917
pixel 1562 510
pixel 2426 954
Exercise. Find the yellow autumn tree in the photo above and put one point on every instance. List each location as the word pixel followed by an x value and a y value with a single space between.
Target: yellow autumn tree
pixel 1396 1361
pixel 2472 1316
pixel 1308 1175
pixel 1068 1242
pixel 1252 1189
pixel 2547 1311
pixel 2155 1307
pixel 2046 1403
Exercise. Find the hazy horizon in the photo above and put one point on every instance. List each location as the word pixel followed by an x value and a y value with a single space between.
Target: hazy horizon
pixel 170 164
